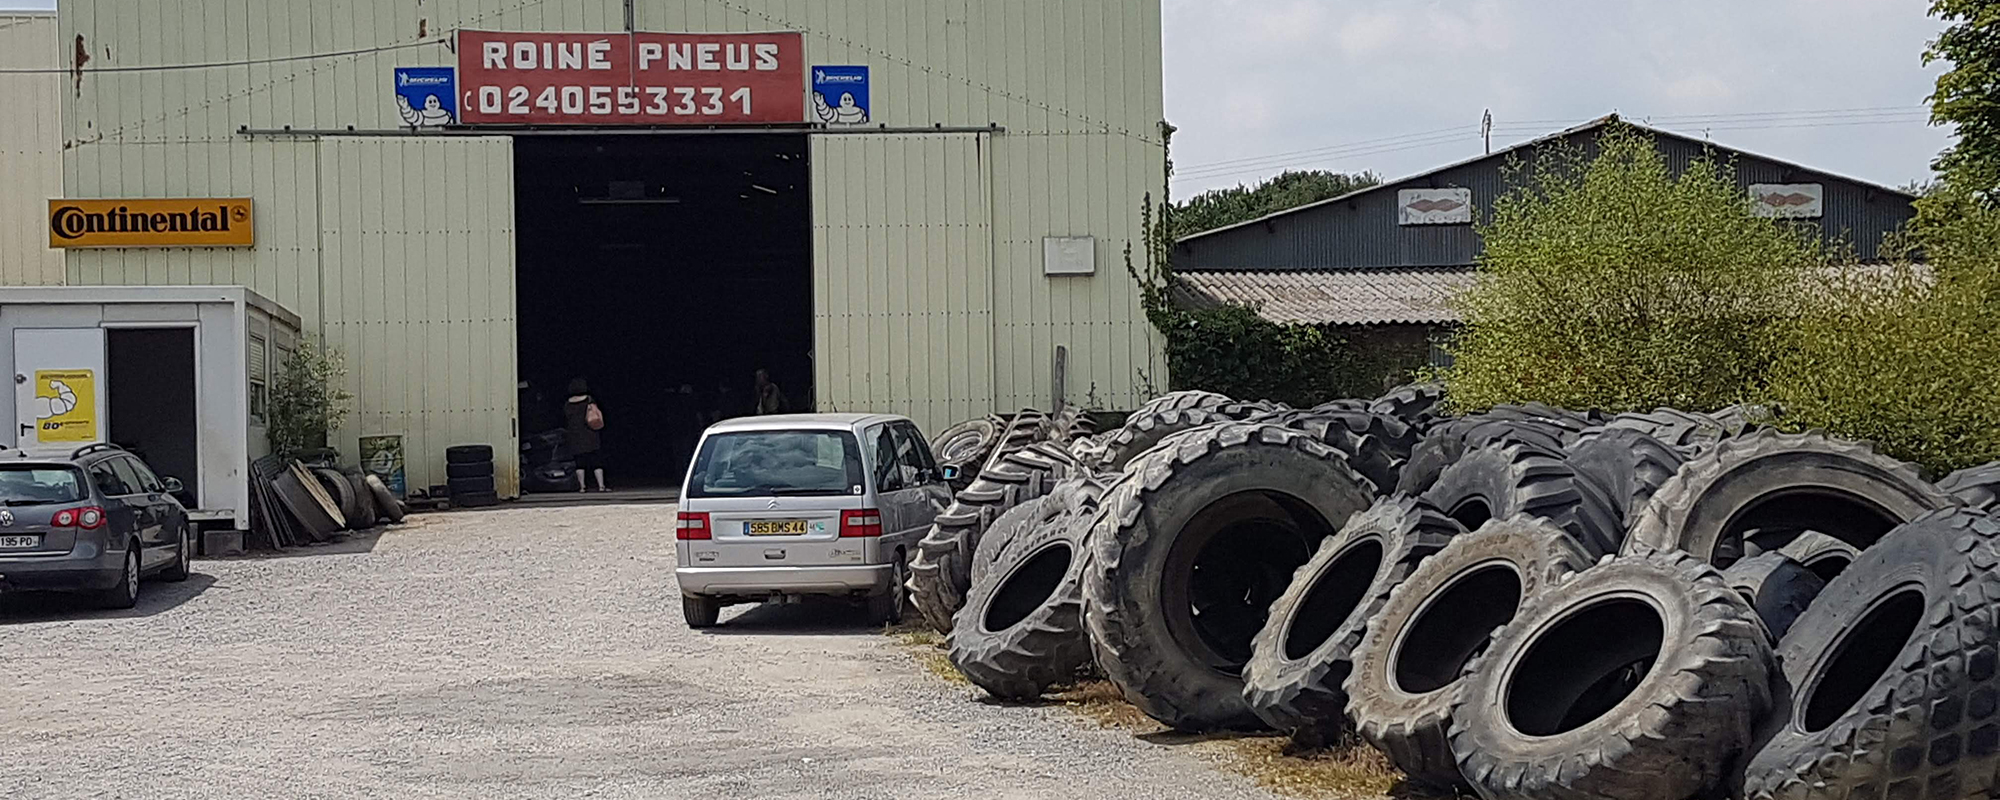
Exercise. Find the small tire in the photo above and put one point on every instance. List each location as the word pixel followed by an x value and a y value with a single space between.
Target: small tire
pixel 366 504
pixel 700 612
pixel 1826 556
pixel 1021 629
pixel 887 608
pixel 485 499
pixel 966 446
pixel 183 566
pixel 1448 441
pixel 344 494
pixel 1377 445
pixel 461 486
pixel 1777 586
pixel 469 469
pixel 1301 659
pixel 125 594
pixel 1217 519
pixel 1410 665
pixel 1976 487
pixel 1642 677
pixel 468 454
pixel 1893 674
pixel 1502 480
pixel 386 503
pixel 1417 405
pixel 1767 479
pixel 1629 465
pixel 941 570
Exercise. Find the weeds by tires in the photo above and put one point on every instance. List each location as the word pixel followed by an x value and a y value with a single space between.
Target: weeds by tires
pixel 1302 657
pixel 1194 542
pixel 1893 674
pixel 1506 479
pixel 1639 678
pixel 1777 586
pixel 1021 629
pixel 1409 665
pixel 1774 482
pixel 940 570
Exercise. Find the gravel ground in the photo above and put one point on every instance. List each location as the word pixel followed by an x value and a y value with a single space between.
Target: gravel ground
pixel 515 653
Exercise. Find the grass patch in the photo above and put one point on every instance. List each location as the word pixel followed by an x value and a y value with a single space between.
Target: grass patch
pixel 927 647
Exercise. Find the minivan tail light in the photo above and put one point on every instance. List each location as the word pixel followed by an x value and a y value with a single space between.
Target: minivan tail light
pixel 692 526
pixel 89 518
pixel 860 523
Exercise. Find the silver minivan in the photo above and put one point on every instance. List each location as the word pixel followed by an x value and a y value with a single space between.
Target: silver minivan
pixel 781 507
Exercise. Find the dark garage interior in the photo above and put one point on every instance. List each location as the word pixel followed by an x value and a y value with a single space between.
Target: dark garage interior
pixel 151 404
pixel 646 263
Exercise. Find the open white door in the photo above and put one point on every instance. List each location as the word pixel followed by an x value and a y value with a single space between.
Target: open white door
pixel 58 388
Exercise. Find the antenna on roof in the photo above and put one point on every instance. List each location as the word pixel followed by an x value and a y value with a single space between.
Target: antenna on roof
pixel 1486 130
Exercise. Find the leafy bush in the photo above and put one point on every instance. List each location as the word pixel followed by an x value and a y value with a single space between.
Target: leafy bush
pixel 1613 283
pixel 307 398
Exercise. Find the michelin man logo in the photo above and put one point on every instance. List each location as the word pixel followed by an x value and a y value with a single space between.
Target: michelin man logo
pixel 61 402
pixel 847 113
pixel 430 116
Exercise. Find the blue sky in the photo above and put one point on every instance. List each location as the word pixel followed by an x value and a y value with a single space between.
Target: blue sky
pixel 1399 86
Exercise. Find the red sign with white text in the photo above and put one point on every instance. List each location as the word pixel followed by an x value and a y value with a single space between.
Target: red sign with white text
pixel 630 78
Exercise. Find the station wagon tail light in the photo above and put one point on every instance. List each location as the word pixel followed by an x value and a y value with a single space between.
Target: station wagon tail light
pixel 691 526
pixel 857 524
pixel 89 518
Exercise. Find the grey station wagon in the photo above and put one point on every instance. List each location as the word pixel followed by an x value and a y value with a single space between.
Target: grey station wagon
pixel 780 507
pixel 94 522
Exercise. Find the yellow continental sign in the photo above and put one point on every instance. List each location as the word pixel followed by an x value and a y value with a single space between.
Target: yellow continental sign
pixel 66 405
pixel 191 222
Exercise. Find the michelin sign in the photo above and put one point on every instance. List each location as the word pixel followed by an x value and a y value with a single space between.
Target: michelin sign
pixel 427 97
pixel 840 96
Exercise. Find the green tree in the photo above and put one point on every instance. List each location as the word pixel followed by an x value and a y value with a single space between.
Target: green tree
pixel 307 398
pixel 1614 283
pixel 1968 94
pixel 1223 207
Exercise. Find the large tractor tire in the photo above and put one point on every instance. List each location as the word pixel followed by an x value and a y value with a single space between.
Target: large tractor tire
pixel 1779 587
pixel 1503 480
pixel 1976 487
pixel 1145 431
pixel 966 446
pixel 1021 628
pixel 1642 677
pixel 1377 445
pixel 1895 674
pixel 1191 547
pixel 1776 485
pixel 1417 405
pixel 941 569
pixel 1409 668
pixel 1690 432
pixel 1629 465
pixel 1301 659
pixel 1449 440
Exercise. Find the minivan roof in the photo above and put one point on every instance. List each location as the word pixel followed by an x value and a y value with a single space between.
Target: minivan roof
pixel 793 422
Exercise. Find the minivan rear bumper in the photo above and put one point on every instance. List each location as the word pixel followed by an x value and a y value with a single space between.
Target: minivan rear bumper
pixel 758 581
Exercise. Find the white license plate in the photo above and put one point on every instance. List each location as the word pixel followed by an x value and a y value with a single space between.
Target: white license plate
pixel 19 542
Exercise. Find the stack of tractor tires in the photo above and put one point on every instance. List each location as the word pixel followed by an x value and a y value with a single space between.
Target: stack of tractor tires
pixel 469 475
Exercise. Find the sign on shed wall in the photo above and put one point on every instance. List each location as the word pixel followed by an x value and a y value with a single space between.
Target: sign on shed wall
pixel 1789 200
pixel 630 78
pixel 181 222
pixel 1434 207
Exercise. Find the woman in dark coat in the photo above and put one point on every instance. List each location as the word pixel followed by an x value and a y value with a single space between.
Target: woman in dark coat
pixel 581 437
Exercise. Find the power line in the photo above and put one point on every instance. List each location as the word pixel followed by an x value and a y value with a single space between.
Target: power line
pixel 224 64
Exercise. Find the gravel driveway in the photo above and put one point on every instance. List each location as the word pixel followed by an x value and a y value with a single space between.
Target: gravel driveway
pixel 514 653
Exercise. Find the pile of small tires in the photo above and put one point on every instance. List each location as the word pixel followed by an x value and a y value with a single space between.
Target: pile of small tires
pixel 1526 602
pixel 469 475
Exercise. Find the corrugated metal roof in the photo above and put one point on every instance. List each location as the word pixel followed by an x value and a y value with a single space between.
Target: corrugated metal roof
pixel 1344 297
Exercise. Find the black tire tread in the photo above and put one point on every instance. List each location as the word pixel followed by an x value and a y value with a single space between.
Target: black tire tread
pixel 1976 487
pixel 1537 482
pixel 1049 646
pixel 1777 586
pixel 1630 466
pixel 940 569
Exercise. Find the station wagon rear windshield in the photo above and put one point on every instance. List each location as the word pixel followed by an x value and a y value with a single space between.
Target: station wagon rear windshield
pixel 777 463
pixel 28 484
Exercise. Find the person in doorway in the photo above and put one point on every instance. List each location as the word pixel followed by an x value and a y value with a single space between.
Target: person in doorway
pixel 770 399
pixel 582 420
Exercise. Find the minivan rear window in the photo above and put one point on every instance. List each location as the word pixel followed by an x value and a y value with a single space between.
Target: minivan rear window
pixel 777 463
pixel 27 484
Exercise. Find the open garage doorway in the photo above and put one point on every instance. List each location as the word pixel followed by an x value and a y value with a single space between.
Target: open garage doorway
pixel 664 270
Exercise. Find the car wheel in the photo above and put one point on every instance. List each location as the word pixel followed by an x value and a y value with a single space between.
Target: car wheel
pixel 126 593
pixel 701 612
pixel 183 558
pixel 887 608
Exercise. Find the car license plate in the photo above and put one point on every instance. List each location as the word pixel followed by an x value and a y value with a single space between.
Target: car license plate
pixel 775 527
pixel 19 542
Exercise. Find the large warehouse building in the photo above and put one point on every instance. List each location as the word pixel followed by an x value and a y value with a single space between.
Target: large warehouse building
pixel 907 207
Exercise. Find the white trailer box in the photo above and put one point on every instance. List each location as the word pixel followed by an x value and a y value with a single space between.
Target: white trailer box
pixel 177 374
